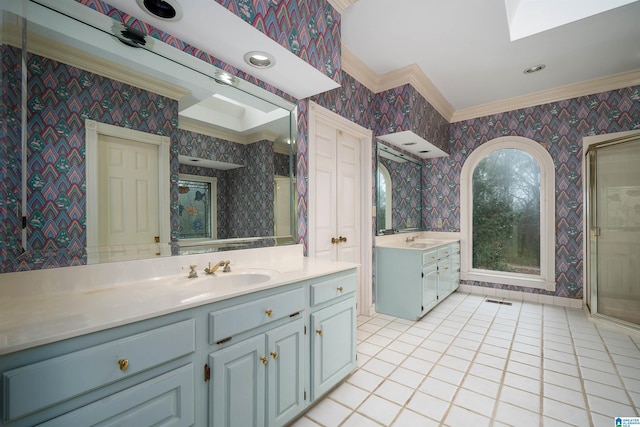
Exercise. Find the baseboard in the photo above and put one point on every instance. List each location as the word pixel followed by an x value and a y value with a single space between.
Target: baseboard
pixel 522 296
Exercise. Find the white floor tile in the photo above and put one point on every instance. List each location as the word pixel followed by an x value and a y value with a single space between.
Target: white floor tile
pixel 563 412
pixel 394 392
pixel 349 395
pixel 379 409
pixel 357 420
pixel 407 377
pixel 458 416
pixel 409 418
pixel 428 405
pixel 475 402
pixel 472 363
pixel 328 413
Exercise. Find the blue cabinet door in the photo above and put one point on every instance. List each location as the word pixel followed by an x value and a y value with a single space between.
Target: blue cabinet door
pixel 429 287
pixel 333 331
pixel 285 373
pixel 237 385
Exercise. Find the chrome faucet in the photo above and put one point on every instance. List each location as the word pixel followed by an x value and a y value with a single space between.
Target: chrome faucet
pixel 212 270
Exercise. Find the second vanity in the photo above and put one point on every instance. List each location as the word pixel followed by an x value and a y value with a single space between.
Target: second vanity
pixel 415 272
pixel 255 348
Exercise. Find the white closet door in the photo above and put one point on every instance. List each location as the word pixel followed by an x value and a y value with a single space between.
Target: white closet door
pixel 325 194
pixel 348 197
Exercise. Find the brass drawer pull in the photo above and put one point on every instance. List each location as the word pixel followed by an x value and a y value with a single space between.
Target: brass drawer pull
pixel 274 354
pixel 319 332
pixel 340 289
pixel 269 313
pixel 124 364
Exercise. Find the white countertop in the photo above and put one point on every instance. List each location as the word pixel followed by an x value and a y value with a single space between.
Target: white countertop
pixel 421 241
pixel 32 313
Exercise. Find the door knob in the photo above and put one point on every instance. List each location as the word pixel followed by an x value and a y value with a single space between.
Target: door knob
pixel 342 239
pixel 264 360
pixel 334 241
pixel 274 354
pixel 123 364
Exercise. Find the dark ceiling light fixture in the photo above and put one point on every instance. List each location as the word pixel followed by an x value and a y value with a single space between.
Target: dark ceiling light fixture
pixel 423 151
pixel 409 143
pixel 259 59
pixel 167 10
pixel 129 36
pixel 534 69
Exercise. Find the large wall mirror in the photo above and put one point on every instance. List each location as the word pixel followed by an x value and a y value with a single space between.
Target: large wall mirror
pixel 399 190
pixel 116 146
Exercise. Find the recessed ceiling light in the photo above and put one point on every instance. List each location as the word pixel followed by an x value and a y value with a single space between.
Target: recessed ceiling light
pixel 167 10
pixel 409 143
pixel 534 69
pixel 259 59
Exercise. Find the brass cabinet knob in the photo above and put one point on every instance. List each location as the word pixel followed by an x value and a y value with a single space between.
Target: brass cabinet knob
pixel 264 360
pixel 319 332
pixel 334 240
pixel 269 313
pixel 342 239
pixel 124 364
pixel 340 289
pixel 274 354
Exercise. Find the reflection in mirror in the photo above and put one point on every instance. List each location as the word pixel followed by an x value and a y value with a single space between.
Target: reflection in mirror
pixel 80 76
pixel 399 190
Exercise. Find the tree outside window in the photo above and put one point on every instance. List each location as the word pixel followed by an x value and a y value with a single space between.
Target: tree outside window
pixel 506 212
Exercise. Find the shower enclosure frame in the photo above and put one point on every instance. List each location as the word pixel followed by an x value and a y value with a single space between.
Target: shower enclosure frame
pixel 590 289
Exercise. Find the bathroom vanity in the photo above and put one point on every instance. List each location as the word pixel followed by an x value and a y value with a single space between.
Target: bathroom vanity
pixel 413 275
pixel 252 347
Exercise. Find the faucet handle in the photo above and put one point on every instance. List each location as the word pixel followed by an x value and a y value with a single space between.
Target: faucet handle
pixel 227 266
pixel 193 273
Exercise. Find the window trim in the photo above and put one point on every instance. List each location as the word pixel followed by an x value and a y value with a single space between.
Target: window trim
pixel 546 279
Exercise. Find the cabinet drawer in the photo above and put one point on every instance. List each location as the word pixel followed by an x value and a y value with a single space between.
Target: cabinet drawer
pixel 445 251
pixel 37 386
pixel 333 288
pixel 231 321
pixel 429 256
pixel 164 400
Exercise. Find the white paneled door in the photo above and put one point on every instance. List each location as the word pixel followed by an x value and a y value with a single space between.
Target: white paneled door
pixel 337 184
pixel 339 158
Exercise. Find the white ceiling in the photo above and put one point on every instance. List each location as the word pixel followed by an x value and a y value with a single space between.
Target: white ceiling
pixel 464 47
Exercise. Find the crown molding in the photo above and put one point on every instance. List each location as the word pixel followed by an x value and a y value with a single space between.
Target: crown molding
pixel 411 74
pixel 341 5
pixel 589 87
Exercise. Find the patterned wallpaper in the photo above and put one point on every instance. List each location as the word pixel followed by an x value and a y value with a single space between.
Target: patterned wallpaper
pixel 559 127
pixel 308 28
pixel 60 99
pixel 404 109
pixel 406 193
pixel 10 154
pixel 127 19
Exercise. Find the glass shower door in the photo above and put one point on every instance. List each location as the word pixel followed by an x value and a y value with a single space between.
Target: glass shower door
pixel 614 230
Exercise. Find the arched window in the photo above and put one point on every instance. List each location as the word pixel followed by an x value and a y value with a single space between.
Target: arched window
pixel 385 201
pixel 507 211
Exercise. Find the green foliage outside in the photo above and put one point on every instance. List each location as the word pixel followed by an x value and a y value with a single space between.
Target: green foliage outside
pixel 506 213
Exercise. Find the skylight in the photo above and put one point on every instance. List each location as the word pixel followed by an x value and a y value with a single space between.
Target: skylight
pixel 528 17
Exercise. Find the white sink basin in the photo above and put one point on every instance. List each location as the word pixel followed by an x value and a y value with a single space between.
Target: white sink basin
pixel 428 241
pixel 238 278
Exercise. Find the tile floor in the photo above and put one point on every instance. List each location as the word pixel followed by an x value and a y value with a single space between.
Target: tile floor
pixel 469 362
